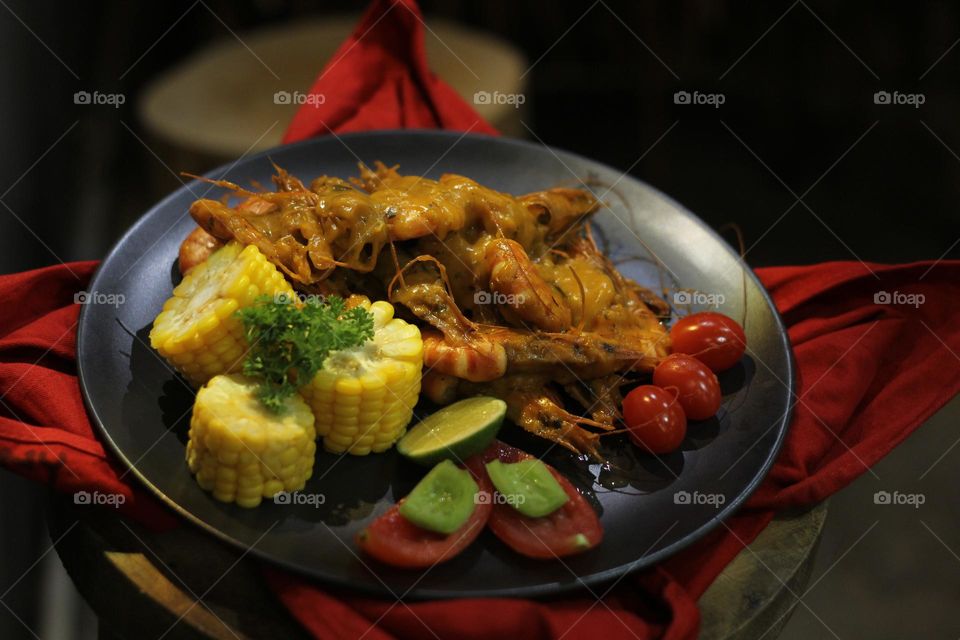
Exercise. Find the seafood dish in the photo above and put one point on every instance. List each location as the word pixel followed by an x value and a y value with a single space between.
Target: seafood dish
pixel 318 315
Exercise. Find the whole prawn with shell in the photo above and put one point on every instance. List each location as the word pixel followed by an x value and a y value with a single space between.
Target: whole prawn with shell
pixel 512 294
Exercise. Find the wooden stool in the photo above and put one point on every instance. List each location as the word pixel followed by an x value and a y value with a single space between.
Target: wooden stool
pixel 219 104
pixel 144 585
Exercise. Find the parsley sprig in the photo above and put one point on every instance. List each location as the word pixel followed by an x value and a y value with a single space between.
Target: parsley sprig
pixel 289 341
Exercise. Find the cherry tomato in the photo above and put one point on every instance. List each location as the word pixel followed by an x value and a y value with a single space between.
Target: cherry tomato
pixel 655 419
pixel 573 528
pixel 394 540
pixel 697 386
pixel 712 338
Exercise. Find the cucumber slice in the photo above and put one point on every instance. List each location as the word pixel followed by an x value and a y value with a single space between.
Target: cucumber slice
pixel 443 500
pixel 455 432
pixel 528 486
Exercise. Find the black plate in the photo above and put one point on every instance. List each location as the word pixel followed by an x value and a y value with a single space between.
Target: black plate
pixel 142 410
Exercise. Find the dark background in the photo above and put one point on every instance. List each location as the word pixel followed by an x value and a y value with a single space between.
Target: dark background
pixel 799 99
pixel 799 113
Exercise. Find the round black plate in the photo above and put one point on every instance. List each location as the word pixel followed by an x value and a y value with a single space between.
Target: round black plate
pixel 650 507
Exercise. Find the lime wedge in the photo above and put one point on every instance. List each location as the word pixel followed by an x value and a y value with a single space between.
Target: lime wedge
pixel 455 432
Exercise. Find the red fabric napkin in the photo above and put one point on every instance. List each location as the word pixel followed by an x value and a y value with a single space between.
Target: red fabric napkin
pixel 379 79
pixel 865 373
pixel 869 374
pixel 44 431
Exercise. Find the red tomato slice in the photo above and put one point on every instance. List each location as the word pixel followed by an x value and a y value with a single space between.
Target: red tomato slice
pixel 573 528
pixel 394 540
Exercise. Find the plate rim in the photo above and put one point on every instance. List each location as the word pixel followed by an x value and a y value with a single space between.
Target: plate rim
pixel 542 590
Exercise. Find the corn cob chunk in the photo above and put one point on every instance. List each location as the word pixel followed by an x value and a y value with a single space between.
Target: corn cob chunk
pixel 363 397
pixel 242 452
pixel 197 331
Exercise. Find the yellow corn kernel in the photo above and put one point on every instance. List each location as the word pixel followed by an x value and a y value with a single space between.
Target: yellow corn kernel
pixel 363 398
pixel 197 331
pixel 228 446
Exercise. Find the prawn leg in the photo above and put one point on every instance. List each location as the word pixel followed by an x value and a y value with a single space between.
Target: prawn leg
pixel 532 406
pixel 600 396
pixel 543 417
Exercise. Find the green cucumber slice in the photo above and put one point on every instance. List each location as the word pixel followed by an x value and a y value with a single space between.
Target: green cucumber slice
pixel 527 486
pixel 455 432
pixel 443 500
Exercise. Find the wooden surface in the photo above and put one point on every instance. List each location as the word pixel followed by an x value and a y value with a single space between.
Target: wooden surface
pixel 183 584
pixel 757 592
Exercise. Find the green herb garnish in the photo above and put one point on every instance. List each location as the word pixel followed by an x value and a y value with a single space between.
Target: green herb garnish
pixel 289 342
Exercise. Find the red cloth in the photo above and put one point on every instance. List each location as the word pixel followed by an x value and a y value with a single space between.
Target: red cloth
pixel 44 431
pixel 868 376
pixel 865 373
pixel 379 79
